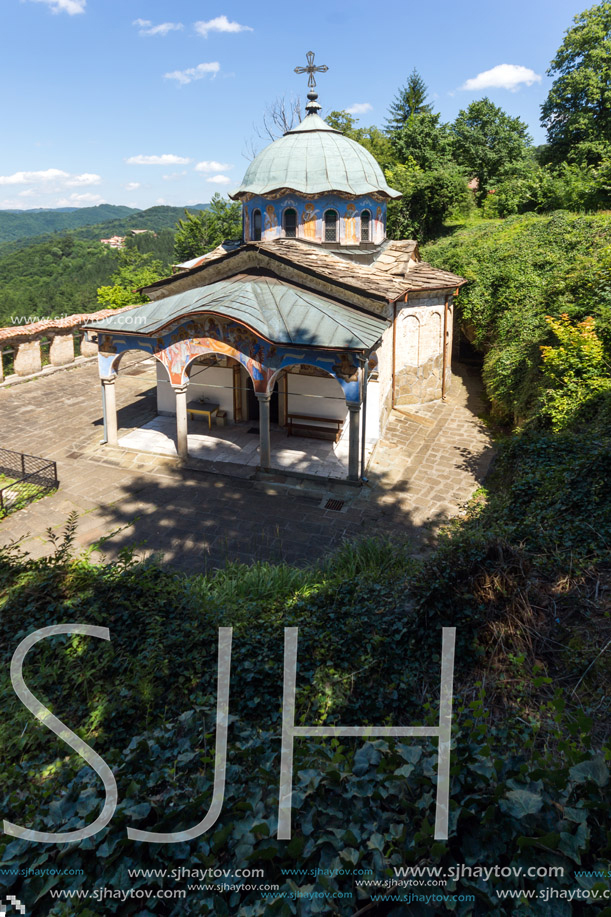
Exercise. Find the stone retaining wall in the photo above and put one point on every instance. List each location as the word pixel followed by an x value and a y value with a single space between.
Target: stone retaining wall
pixel 24 343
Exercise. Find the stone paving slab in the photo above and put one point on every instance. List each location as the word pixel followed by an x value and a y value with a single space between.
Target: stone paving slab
pixel 196 515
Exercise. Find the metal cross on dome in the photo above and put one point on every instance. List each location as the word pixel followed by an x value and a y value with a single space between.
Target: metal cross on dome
pixel 311 69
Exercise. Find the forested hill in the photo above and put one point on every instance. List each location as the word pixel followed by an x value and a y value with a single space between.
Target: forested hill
pixel 106 219
pixel 15 225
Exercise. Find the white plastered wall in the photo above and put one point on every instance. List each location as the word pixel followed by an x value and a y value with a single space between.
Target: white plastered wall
pixel 315 395
pixel 212 383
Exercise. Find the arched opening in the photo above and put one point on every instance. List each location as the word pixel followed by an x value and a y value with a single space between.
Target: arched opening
pixel 136 372
pixel 330 225
pixel 365 226
pixel 221 383
pixel 314 415
pixel 290 223
pixel 256 225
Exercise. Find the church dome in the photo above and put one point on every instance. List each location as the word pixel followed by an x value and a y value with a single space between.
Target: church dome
pixel 314 158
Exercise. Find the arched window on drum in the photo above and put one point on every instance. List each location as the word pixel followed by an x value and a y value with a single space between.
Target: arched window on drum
pixel 256 225
pixel 366 226
pixel 290 223
pixel 331 226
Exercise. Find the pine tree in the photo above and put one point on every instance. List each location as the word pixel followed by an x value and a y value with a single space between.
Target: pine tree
pixel 409 101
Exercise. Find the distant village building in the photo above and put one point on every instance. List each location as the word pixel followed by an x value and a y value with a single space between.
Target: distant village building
pixel 114 242
pixel 314 322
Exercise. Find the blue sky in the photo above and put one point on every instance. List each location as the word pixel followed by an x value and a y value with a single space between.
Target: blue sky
pixel 141 102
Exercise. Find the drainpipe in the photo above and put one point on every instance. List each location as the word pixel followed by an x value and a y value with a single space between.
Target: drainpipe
pixel 363 371
pixel 394 348
pixel 445 349
pixel 105 439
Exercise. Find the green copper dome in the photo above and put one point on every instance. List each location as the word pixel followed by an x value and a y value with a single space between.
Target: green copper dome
pixel 314 158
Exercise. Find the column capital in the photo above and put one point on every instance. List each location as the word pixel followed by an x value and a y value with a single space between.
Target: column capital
pixel 263 396
pixel 353 406
pixel 180 389
pixel 109 381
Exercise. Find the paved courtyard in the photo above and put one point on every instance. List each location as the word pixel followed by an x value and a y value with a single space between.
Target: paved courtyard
pixel 202 514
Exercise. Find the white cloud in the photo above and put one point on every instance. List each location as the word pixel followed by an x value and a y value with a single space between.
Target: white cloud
pixel 503 76
pixel 220 24
pixel 211 165
pixel 219 180
pixel 72 7
pixel 80 200
pixel 51 176
pixel 86 198
pixel 132 186
pixel 25 178
pixel 359 108
pixel 82 181
pixel 166 159
pixel 193 73
pixel 174 175
pixel 146 27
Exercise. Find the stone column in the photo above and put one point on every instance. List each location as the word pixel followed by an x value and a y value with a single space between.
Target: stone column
pixel 265 449
pixel 353 442
pixel 61 350
pixel 110 410
pixel 27 358
pixel 181 420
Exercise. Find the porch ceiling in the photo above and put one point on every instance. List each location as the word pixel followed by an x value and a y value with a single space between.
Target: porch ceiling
pixel 279 311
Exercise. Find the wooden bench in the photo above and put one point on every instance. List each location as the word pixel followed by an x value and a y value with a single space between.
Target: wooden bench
pixel 316 427
pixel 203 408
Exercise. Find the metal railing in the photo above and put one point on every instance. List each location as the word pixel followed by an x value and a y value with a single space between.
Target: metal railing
pixel 29 477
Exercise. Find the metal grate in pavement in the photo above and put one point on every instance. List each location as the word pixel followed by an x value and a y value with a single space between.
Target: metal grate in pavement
pixel 335 505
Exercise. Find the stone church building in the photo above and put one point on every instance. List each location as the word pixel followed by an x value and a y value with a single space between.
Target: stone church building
pixel 313 327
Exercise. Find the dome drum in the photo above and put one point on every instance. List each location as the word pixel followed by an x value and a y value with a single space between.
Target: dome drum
pixel 328 218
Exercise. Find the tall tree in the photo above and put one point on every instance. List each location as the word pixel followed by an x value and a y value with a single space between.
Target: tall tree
pixel 202 231
pixel 408 102
pixel 423 140
pixel 577 111
pixel 487 142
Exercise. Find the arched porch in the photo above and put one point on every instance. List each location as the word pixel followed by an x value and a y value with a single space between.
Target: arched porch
pixel 192 369
pixel 267 329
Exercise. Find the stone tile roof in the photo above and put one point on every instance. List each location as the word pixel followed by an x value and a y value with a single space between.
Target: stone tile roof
pixel 222 249
pixel 368 278
pixel 398 257
pixel 395 272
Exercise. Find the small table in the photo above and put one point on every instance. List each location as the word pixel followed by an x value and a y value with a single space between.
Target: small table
pixel 205 408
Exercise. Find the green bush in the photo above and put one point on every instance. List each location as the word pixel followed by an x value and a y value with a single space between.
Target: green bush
pixel 522 270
